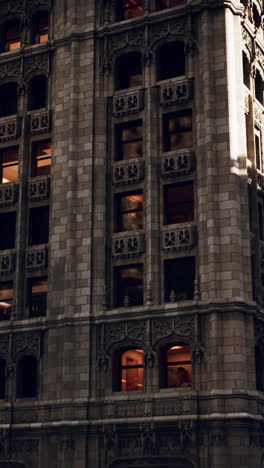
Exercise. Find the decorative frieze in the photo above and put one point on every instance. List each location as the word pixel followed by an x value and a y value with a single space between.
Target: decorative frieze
pixel 177 164
pixel 9 129
pixel 128 172
pixel 129 103
pixel 7 262
pixel 37 258
pixel 182 326
pixel 40 122
pixel 180 238
pixel 128 246
pixel 26 342
pixel 176 92
pixel 38 188
pixel 8 194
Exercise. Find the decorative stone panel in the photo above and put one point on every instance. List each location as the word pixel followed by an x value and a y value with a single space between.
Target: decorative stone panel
pixel 128 172
pixel 128 246
pixel 7 262
pixel 177 164
pixel 40 122
pixel 180 238
pixel 132 329
pixel 246 102
pixel 8 194
pixel 182 326
pixel 26 342
pixel 258 116
pixel 176 92
pixel 37 258
pixel 129 103
pixel 38 188
pixel 9 129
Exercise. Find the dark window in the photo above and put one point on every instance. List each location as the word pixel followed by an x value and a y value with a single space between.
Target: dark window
pixel 37 92
pixel 38 296
pixel 260 221
pixel 177 130
pixel 246 70
pixel 2 379
pixel 8 230
pixel 8 99
pixel 128 71
pixel 258 150
pixel 256 16
pixel 176 366
pixel 129 9
pixel 128 370
pixel 129 140
pixel 179 276
pixel 6 299
pixel 259 87
pixel 9 165
pixel 26 375
pixel 178 203
pixel 259 369
pixel 171 60
pixel 41 158
pixel 12 36
pixel 129 212
pixel 129 285
pixel 39 225
pixel 40 28
pixel 171 3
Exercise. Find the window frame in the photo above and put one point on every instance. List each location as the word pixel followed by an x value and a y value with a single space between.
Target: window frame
pixel 167 145
pixel 8 164
pixel 117 368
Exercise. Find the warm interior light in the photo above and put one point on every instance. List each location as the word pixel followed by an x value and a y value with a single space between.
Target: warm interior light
pixel 177 347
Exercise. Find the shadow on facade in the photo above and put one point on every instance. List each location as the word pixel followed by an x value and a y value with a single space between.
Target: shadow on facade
pixel 150 462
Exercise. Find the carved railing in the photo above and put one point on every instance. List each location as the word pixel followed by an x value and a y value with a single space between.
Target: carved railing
pixel 39 188
pixel 258 115
pixel 7 262
pixel 129 103
pixel 176 92
pixel 128 172
pixel 177 164
pixel 8 194
pixel 37 258
pixel 40 122
pixel 131 245
pixel 178 238
pixel 9 129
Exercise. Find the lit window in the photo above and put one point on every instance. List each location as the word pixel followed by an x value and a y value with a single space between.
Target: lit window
pixel 179 367
pixel 129 9
pixel 2 379
pixel 38 296
pixel 129 212
pixel 9 165
pixel 129 285
pixel 128 71
pixel 129 140
pixel 6 299
pixel 39 225
pixel 178 203
pixel 171 61
pixel 26 377
pixel 43 28
pixel 8 99
pixel 8 230
pixel 37 92
pixel 41 158
pixel 179 276
pixel 13 36
pixel 177 131
pixel 128 370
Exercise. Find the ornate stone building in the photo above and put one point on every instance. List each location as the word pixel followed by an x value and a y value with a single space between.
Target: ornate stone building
pixel 132 235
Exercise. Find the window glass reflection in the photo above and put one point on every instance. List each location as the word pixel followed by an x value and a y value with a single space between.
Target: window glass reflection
pixel 179 367
pixel 132 370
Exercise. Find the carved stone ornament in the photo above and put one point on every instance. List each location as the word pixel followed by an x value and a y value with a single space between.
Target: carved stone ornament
pixel 4 345
pixel 35 63
pixel 198 351
pixel 259 56
pixel 110 437
pixel 133 329
pixel 13 7
pixel 248 43
pixel 147 437
pixel 186 433
pixel 27 342
pixel 10 70
pixel 170 28
pixel 180 326
pixel 103 360
pixel 218 439
pixel 26 445
pixel 135 37
pixel 256 439
pixel 259 332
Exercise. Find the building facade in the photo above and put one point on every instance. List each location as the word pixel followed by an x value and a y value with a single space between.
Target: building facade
pixel 132 234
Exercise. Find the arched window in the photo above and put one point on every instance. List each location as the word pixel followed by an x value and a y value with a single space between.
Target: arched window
pixel 37 92
pixel 128 370
pixel 259 355
pixel 128 71
pixel 246 70
pixel 11 38
pixel 8 99
pixel 176 361
pixel 259 87
pixel 171 60
pixel 26 377
pixel 2 379
pixel 40 27
pixel 128 9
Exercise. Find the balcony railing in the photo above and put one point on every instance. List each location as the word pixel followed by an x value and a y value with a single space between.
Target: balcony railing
pixel 258 115
pixel 37 258
pixel 40 122
pixel 176 92
pixel 131 245
pixel 128 172
pixel 177 164
pixel 39 188
pixel 7 262
pixel 8 194
pixel 9 129
pixel 129 103
pixel 178 238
